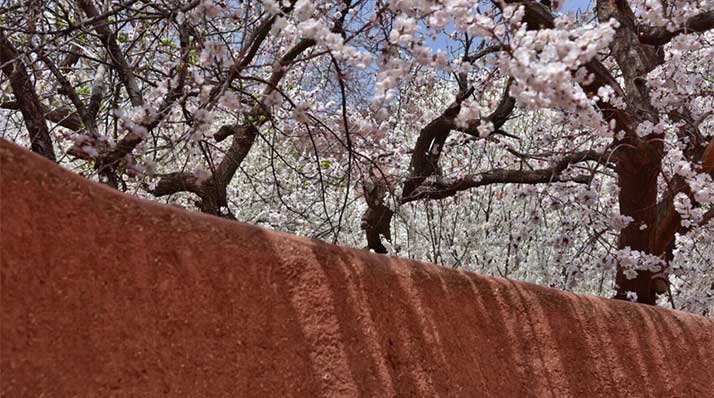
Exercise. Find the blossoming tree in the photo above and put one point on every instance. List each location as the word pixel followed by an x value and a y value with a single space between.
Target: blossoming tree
pixel 504 136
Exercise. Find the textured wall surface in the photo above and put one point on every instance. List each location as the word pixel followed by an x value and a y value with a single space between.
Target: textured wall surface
pixel 104 295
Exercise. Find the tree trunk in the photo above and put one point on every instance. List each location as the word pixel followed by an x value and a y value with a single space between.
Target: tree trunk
pixel 639 159
pixel 638 169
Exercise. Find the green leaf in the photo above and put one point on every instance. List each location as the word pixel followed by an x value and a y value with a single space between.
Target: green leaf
pixel 83 89
pixel 193 59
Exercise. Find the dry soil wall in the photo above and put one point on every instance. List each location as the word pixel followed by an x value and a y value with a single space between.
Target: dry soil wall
pixel 104 295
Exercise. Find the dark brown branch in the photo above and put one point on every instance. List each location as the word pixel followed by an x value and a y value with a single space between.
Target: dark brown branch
pixel 172 183
pixel 376 220
pixel 213 190
pixel 429 144
pixel 67 90
pixel 107 38
pixel 248 54
pixel 538 16
pixel 708 159
pixel 639 160
pixel 107 162
pixel 27 100
pixel 482 53
pixel 498 117
pixel 243 139
pixel 659 35
pixel 63 116
pixel 259 111
pixel 443 189
pixel 669 221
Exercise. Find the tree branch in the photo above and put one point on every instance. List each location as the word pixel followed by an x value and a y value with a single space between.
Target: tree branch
pixel 498 117
pixel 107 38
pixel 27 101
pixel 63 115
pixel 376 220
pixel 213 190
pixel 444 189
pixel 172 183
pixel 669 222
pixel 659 35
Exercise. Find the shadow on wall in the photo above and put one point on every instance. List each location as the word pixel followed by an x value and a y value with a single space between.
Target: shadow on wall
pixel 104 294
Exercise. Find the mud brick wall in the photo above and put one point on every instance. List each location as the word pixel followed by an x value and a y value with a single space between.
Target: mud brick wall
pixel 104 295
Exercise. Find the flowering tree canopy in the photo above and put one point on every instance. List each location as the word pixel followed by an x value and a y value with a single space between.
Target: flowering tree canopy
pixel 508 137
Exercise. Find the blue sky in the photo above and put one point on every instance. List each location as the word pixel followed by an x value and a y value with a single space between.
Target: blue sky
pixel 576 5
pixel 570 6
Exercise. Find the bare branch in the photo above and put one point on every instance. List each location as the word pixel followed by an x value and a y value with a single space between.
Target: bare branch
pixel 27 100
pixel 67 90
pixel 482 53
pixel 172 183
pixel 259 111
pixel 440 189
pixel 107 38
pixel 63 116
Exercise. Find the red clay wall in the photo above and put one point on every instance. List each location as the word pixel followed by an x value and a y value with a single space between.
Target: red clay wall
pixel 106 295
